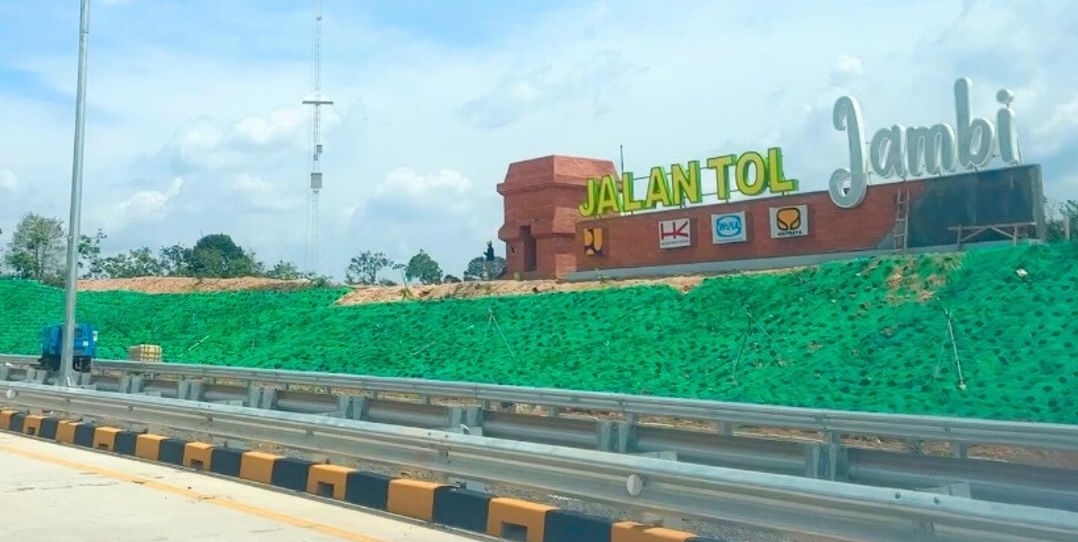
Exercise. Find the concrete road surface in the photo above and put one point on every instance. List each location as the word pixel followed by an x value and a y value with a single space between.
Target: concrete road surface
pixel 55 493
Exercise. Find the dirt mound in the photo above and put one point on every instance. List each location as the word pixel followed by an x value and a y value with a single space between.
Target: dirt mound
pixel 184 285
pixel 461 290
pixel 386 294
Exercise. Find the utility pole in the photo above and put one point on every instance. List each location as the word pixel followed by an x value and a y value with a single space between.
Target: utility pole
pixel 67 353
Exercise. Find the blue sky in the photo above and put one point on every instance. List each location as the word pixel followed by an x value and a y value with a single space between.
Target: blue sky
pixel 194 124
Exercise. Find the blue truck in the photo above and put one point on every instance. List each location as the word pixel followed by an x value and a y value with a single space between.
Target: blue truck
pixel 52 340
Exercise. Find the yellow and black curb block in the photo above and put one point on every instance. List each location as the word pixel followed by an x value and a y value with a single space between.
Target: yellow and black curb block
pixel 441 504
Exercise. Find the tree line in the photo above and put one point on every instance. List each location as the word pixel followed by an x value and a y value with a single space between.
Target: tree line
pixel 38 246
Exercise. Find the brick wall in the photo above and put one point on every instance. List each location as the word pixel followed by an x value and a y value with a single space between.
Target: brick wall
pixel 633 241
pixel 541 196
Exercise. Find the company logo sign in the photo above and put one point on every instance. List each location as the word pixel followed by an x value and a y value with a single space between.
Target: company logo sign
pixel 593 241
pixel 789 221
pixel 729 228
pixel 675 233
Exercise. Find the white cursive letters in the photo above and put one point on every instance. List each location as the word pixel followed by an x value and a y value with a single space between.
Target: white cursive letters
pixel 899 151
pixel 847 116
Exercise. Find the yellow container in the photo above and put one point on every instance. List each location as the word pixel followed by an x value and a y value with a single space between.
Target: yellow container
pixel 144 352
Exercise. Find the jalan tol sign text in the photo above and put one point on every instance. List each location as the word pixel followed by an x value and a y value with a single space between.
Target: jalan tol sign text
pixel 753 174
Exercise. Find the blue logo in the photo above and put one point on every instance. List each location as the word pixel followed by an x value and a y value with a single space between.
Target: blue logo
pixel 728 226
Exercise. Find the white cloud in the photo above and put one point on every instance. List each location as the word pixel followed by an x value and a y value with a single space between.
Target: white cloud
pixel 847 69
pixel 1062 123
pixel 261 194
pixel 406 181
pixel 423 130
pixel 140 208
pixel 8 181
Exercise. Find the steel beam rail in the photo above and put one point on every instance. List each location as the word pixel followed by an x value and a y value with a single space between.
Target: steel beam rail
pixel 830 460
pixel 925 428
pixel 782 503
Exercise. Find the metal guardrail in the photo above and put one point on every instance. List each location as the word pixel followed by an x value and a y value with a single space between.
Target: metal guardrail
pixel 782 503
pixel 979 479
pixel 925 428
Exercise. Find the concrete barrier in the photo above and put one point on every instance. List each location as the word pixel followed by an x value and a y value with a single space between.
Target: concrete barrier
pixel 440 504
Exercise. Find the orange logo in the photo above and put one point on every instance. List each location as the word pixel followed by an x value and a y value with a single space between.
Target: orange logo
pixel 593 241
pixel 788 218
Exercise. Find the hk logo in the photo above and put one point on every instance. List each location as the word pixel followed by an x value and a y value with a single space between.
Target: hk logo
pixel 676 230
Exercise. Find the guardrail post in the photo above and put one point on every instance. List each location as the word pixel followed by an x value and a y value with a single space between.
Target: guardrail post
pixel 5 372
pixel 262 397
pixel 915 446
pixel 190 390
pixel 626 436
pixel 818 461
pixel 37 376
pixel 726 429
pixel 960 450
pixel 86 381
pixel 835 457
pixel 606 437
pixel 468 420
pixel 353 407
pixel 269 398
pixel 131 384
pixel 668 522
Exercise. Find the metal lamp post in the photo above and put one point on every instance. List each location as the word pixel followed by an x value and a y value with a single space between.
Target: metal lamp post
pixel 67 353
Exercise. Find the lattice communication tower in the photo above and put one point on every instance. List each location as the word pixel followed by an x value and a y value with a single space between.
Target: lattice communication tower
pixel 316 101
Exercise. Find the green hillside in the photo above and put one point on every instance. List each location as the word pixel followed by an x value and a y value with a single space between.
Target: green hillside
pixel 868 334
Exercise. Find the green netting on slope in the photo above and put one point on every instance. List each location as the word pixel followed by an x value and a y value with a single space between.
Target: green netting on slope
pixel 861 334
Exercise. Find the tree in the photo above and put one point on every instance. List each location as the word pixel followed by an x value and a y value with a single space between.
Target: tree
pixel 257 267
pixel 175 261
pixel 364 269
pixel 475 268
pixel 36 249
pixel 1057 218
pixel 139 262
pixel 283 270
pixel 218 256
pixel 90 255
pixel 423 268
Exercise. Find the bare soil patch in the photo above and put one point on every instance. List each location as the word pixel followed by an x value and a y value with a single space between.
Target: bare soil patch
pixel 187 285
pixel 462 290
pixel 388 294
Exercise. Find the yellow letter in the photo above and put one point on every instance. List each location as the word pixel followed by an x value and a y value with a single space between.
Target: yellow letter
pixel 588 206
pixel 608 196
pixel 741 174
pixel 776 178
pixel 658 189
pixel 722 181
pixel 629 203
pixel 686 184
